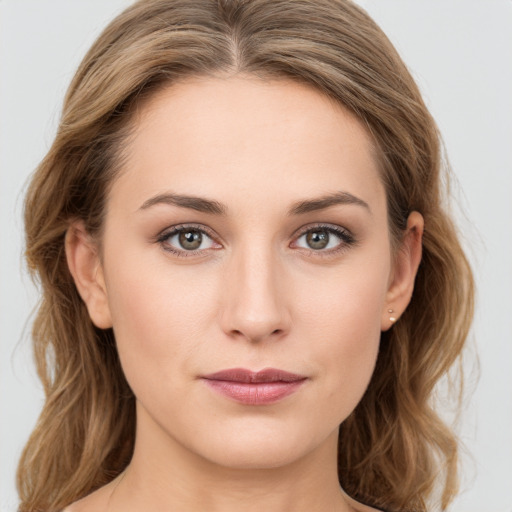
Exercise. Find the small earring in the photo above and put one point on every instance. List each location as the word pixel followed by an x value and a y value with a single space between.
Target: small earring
pixel 391 318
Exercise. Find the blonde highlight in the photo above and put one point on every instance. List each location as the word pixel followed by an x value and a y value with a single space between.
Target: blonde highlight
pixel 394 448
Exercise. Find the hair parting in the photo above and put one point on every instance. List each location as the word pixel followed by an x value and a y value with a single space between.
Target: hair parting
pixel 394 449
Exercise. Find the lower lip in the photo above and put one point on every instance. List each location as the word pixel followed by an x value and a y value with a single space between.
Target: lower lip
pixel 260 393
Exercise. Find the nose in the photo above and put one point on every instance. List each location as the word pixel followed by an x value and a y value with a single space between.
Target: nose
pixel 254 305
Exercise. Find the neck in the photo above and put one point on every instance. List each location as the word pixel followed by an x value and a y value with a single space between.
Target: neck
pixel 165 475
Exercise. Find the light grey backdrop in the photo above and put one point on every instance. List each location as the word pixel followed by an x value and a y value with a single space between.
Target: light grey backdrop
pixel 460 51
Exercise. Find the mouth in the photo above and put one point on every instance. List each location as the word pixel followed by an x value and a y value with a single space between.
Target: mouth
pixel 267 386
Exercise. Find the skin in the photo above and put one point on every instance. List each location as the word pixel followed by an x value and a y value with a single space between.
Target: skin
pixel 255 295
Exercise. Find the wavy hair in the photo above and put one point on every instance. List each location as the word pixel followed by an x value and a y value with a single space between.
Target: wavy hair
pixel 394 450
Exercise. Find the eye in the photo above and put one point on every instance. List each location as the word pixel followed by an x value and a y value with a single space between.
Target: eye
pixel 186 239
pixel 325 239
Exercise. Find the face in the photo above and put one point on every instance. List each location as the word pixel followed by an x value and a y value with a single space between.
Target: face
pixel 246 230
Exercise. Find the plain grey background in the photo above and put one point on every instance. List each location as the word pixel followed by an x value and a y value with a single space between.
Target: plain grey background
pixel 460 52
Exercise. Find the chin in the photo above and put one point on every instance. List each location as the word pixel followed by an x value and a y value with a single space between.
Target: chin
pixel 254 457
pixel 260 448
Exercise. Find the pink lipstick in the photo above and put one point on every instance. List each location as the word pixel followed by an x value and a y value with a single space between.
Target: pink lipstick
pixel 255 388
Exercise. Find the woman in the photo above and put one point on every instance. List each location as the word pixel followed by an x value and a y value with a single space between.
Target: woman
pixel 250 284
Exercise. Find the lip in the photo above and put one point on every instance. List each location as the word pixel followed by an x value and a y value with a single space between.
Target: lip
pixel 255 388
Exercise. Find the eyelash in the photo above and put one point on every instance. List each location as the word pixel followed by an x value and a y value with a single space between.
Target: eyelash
pixel 183 228
pixel 346 237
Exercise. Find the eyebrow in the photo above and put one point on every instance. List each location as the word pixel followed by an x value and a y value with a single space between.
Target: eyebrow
pixel 320 203
pixel 200 204
pixel 205 205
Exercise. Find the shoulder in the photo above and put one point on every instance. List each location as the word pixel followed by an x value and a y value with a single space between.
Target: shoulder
pixel 357 506
pixel 93 502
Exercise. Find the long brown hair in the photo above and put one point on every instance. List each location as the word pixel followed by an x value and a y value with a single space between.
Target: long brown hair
pixel 394 447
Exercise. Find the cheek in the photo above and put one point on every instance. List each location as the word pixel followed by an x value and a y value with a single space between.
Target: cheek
pixel 160 316
pixel 166 322
pixel 347 301
pixel 341 325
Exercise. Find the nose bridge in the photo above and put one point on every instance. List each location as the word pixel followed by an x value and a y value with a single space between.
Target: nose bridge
pixel 255 306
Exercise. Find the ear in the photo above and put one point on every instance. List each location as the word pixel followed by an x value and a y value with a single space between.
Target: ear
pixel 405 267
pixel 85 267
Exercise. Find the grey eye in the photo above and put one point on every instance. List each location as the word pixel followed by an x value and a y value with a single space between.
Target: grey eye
pixel 187 239
pixel 190 240
pixel 324 239
pixel 317 239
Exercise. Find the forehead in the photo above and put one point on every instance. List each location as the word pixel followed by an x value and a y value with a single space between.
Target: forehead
pixel 224 137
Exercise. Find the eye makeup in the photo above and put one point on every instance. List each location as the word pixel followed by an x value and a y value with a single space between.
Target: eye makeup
pixel 190 239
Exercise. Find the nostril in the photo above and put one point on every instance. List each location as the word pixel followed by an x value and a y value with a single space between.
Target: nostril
pixel 256 336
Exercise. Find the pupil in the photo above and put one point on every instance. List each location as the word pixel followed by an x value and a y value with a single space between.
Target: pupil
pixel 317 239
pixel 190 240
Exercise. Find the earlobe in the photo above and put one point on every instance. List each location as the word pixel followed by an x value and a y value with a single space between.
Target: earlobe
pixel 85 267
pixel 405 268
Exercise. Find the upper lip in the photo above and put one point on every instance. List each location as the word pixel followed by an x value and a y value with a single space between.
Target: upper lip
pixel 248 376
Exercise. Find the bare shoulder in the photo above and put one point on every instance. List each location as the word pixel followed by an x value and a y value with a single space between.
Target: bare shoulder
pixel 365 508
pixel 358 507
pixel 94 502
